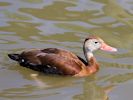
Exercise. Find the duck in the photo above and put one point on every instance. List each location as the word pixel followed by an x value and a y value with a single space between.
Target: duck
pixel 63 62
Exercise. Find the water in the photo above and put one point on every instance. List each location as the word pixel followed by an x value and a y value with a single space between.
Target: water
pixel 64 24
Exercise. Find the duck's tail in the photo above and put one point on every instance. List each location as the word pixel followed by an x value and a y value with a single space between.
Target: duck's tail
pixel 15 57
pixel 19 59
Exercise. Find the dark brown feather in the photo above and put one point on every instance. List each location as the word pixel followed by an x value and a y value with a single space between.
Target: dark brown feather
pixel 62 60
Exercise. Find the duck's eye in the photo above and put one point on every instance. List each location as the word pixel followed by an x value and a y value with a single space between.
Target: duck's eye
pixel 96 42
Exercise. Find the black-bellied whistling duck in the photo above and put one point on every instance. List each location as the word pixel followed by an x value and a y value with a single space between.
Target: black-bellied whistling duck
pixel 63 62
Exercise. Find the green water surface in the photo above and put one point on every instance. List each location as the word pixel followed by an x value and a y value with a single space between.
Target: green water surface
pixel 64 24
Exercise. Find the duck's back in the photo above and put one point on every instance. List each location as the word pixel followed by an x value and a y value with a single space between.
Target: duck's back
pixel 33 54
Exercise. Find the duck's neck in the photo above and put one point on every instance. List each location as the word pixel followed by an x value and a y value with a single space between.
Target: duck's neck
pixel 88 55
pixel 92 63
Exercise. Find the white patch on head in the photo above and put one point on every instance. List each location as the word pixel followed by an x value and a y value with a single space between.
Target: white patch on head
pixel 92 44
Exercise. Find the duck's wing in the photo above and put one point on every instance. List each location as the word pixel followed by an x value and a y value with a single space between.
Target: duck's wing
pixel 64 53
pixel 60 52
pixel 32 54
pixel 65 65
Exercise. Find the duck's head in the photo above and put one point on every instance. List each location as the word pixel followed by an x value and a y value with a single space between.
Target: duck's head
pixel 93 43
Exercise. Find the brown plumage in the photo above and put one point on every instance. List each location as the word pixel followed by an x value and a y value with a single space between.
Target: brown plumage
pixel 63 62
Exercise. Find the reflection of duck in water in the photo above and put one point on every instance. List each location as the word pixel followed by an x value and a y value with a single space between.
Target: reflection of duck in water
pixel 58 61
pixel 92 91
